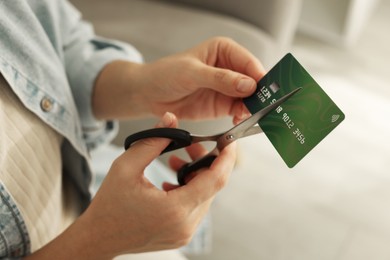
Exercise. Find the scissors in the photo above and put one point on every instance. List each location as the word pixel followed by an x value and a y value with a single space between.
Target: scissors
pixel 182 138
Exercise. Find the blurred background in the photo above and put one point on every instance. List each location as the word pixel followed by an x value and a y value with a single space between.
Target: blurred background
pixel 335 204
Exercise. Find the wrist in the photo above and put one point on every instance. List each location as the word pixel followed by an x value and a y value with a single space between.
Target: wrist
pixel 119 91
pixel 78 241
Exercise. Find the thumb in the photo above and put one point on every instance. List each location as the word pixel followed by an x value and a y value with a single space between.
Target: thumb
pixel 168 120
pixel 228 82
pixel 146 150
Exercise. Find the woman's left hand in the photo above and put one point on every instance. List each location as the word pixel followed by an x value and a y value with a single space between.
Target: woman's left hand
pixel 206 81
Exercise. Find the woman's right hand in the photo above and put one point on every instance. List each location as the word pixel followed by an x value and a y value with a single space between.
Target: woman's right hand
pixel 130 215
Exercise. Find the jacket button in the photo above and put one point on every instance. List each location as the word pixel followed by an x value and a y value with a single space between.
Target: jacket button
pixel 46 104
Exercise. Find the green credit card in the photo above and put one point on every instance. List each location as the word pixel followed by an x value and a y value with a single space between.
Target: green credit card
pixel 300 123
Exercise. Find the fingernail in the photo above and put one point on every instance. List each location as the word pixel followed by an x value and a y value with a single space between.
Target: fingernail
pixel 166 120
pixel 245 85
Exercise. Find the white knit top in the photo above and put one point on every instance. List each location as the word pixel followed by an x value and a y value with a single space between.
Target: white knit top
pixel 31 170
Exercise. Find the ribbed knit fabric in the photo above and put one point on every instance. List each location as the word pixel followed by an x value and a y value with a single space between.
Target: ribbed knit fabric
pixel 31 170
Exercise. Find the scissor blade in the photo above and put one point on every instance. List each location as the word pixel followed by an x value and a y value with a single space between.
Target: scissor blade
pixel 240 129
pixel 252 131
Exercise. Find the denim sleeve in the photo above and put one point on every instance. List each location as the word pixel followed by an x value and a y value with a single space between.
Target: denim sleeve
pixel 85 55
pixel 14 239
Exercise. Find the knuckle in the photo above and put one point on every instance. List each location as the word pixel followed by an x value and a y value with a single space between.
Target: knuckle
pixel 118 165
pixel 220 75
pixel 120 169
pixel 226 77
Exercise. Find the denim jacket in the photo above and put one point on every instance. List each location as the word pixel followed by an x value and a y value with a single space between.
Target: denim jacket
pixel 50 58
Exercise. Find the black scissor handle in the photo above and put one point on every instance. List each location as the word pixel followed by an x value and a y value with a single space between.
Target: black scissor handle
pixel 180 138
pixel 188 168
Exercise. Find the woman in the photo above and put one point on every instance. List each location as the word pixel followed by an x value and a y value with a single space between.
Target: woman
pixel 61 87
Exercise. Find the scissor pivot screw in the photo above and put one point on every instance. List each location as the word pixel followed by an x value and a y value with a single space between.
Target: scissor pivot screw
pixel 229 137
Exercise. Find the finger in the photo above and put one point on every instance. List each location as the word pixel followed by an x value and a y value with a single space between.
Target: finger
pixel 146 150
pixel 196 151
pixel 239 112
pixel 142 153
pixel 168 120
pixel 227 82
pixel 208 182
pixel 219 171
pixel 169 186
pixel 239 70
pixel 233 56
pixel 176 163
